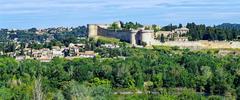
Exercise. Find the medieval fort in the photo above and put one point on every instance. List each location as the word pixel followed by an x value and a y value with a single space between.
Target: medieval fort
pixel 149 37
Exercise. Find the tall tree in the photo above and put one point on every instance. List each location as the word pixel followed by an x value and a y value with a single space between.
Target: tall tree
pixel 162 39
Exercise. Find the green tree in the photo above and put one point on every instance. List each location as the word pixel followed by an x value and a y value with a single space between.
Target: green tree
pixel 114 26
pixel 157 80
pixel 162 39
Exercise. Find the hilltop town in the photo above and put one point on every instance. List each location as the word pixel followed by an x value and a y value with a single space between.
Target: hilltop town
pixel 86 41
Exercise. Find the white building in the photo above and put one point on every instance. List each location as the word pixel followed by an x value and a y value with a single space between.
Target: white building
pixel 87 54
pixel 111 46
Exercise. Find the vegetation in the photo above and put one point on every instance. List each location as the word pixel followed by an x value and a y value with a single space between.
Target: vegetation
pixel 167 73
pixel 154 27
pixel 221 32
pixel 125 26
pixel 166 70
pixel 114 26
pixel 131 25
pixel 108 40
pixel 170 27
pixel 229 26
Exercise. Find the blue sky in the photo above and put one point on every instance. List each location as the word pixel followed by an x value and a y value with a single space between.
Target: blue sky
pixel 24 14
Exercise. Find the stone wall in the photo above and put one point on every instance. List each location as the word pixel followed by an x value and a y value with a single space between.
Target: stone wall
pixel 131 36
pixel 202 44
pixel 120 34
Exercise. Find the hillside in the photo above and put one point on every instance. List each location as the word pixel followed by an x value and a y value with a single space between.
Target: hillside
pixel 229 26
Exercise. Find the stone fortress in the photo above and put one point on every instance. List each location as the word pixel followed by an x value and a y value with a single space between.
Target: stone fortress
pixel 149 37
pixel 135 37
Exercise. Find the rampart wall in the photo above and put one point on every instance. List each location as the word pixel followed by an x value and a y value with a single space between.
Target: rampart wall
pixel 120 34
pixel 136 37
pixel 202 44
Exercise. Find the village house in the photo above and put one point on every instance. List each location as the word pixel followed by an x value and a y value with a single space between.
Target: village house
pixel 87 54
pixel 57 51
pixel 44 59
pixel 111 46
pixel 21 58
pixel 47 54
pixel 12 54
pixel 74 49
pixel 181 39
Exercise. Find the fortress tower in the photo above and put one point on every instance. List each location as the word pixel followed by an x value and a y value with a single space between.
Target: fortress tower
pixel 147 36
pixel 133 39
pixel 92 30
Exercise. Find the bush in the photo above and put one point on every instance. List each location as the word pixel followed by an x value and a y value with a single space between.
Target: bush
pixel 190 95
pixel 214 97
pixel 104 40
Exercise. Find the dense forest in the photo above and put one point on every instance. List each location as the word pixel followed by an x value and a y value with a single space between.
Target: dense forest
pixel 196 74
pixel 221 32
